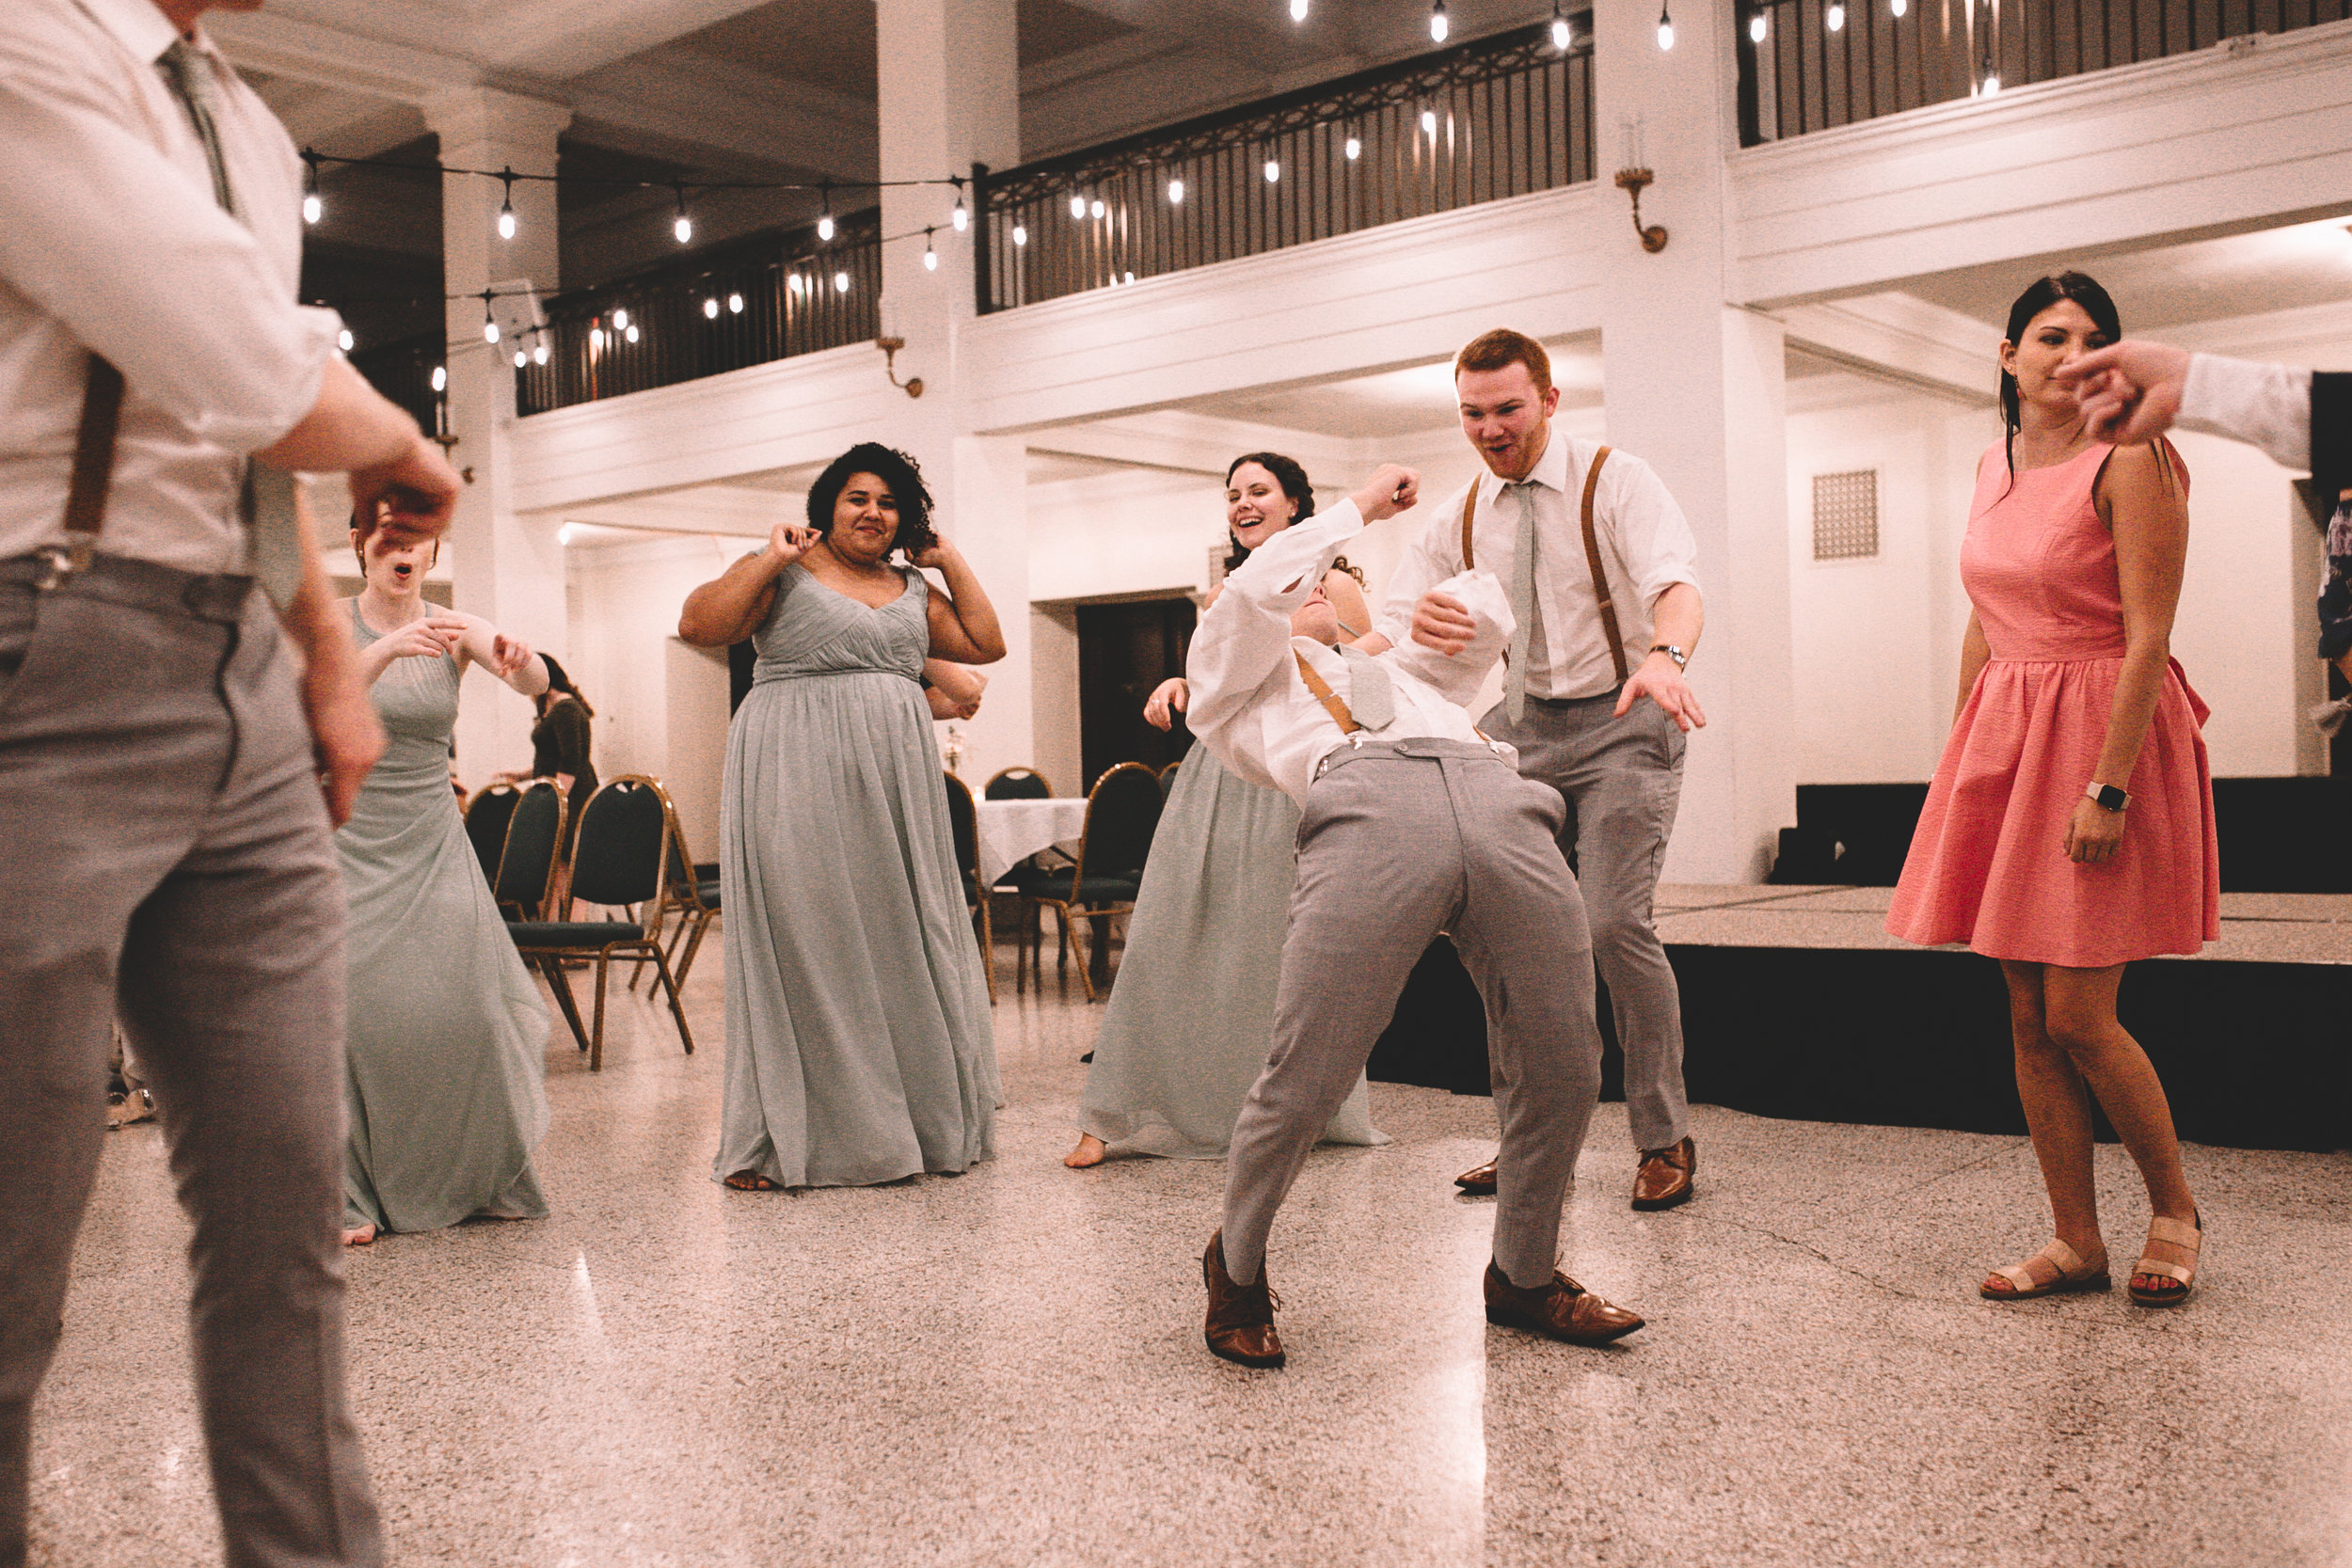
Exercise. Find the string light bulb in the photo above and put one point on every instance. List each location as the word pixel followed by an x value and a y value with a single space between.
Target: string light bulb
pixel 344 340
pixel 506 204
pixel 1298 10
pixel 1354 148
pixel 312 209
pixel 1561 35
pixel 1429 123
pixel 630 333
pixel 710 309
pixel 620 320
pixel 440 378
pixel 1094 208
pixel 684 227
pixel 795 282
pixel 1758 27
pixel 1020 233
pixel 1835 19
pixel 1898 8
pixel 520 358
pixel 539 351
pixel 962 217
pixel 595 338
pixel 1176 191
pixel 841 282
pixel 1273 171
pixel 734 305
pixel 1665 29
pixel 489 321
pixel 1438 23
pixel 931 257
pixel 824 219
pixel 1077 204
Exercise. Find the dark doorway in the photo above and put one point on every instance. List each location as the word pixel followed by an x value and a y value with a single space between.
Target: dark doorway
pixel 1124 650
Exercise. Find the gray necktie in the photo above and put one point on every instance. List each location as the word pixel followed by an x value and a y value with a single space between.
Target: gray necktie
pixel 267 506
pixel 1527 630
pixel 1370 697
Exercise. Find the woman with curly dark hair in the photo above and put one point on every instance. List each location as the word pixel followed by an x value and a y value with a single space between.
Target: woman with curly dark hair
pixel 859 1048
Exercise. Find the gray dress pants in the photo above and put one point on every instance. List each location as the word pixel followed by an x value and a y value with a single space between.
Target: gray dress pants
pixel 1398 842
pixel 167 856
pixel 1622 779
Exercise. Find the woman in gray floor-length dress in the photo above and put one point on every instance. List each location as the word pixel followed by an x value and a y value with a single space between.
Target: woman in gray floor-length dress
pixel 859 1046
pixel 1191 1019
pixel 447 1032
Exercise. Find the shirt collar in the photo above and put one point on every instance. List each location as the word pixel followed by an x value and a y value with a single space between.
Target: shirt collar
pixel 1552 469
pixel 139 25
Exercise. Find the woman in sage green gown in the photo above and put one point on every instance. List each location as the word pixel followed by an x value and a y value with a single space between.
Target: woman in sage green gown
pixel 1191 1018
pixel 447 1033
pixel 859 1043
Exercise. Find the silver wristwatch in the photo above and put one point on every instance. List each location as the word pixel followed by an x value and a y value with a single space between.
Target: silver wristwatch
pixel 1682 661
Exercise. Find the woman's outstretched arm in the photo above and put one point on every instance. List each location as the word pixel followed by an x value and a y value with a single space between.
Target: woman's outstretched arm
pixel 730 606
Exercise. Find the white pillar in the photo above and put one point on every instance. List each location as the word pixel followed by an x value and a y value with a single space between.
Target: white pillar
pixel 1696 386
pixel 950 97
pixel 507 569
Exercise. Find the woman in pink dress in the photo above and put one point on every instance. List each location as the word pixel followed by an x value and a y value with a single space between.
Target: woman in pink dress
pixel 2069 828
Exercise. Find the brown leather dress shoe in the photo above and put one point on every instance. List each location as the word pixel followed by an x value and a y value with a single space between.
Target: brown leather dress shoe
pixel 1561 1309
pixel 1241 1317
pixel 1664 1179
pixel 1478 1182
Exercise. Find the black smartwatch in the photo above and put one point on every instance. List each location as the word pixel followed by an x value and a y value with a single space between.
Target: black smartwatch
pixel 2106 797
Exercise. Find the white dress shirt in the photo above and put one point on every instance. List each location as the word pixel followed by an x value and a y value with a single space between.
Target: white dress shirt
pixel 112 243
pixel 1646 547
pixel 2264 405
pixel 1249 703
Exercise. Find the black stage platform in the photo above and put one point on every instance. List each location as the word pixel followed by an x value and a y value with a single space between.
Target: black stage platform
pixel 1797 1004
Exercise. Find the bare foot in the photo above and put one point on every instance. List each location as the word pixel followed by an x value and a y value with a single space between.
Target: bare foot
pixel 750 1182
pixel 364 1236
pixel 1090 1151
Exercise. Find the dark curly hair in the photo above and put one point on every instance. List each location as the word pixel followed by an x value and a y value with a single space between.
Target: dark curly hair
pixel 1287 473
pixel 896 469
pixel 2037 297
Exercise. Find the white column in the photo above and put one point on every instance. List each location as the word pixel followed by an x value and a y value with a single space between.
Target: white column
pixel 507 569
pixel 1696 386
pixel 944 106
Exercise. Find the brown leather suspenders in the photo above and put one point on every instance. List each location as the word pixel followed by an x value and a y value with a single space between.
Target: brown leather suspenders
pixel 1592 558
pixel 93 472
pixel 1323 694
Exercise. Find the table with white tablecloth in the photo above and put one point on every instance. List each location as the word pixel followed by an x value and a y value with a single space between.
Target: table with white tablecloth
pixel 1012 830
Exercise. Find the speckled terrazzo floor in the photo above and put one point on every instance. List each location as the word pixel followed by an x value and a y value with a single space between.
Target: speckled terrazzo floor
pixel 1006 1367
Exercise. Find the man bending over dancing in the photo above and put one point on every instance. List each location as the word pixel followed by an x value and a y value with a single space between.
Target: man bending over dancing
pixel 1411 823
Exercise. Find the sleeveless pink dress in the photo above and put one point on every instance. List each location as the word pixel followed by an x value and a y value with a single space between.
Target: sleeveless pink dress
pixel 1987 862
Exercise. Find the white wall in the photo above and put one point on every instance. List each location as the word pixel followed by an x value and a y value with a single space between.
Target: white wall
pixel 1877 643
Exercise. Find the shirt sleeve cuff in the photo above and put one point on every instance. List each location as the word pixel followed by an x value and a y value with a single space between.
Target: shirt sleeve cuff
pixel 290 393
pixel 2265 405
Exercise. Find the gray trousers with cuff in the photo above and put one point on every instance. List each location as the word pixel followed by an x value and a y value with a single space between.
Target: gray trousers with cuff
pixel 1399 841
pixel 169 857
pixel 1622 779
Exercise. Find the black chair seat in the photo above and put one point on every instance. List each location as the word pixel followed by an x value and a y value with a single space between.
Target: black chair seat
pixel 573 933
pixel 1088 890
pixel 707 891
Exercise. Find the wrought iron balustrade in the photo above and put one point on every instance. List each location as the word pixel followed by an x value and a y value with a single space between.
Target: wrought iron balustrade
pixel 403 371
pixel 706 317
pixel 1498 116
pixel 1799 73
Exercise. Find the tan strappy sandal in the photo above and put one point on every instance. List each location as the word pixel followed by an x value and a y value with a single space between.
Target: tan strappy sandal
pixel 2075 1272
pixel 2173 1234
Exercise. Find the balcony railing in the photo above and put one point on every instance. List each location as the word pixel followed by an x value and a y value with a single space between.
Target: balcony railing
pixel 1495 117
pixel 763 302
pixel 1798 72
pixel 403 371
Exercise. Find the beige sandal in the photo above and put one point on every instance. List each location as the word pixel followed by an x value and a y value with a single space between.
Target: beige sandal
pixel 2075 1272
pixel 2172 1232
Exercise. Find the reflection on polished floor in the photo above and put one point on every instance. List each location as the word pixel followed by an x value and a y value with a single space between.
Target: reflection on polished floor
pixel 1006 1369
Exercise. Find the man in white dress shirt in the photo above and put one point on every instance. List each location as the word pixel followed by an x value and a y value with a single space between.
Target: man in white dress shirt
pixel 1600 561
pixel 1409 822
pixel 170 766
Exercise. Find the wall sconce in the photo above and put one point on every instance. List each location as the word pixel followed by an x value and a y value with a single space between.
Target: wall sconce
pixel 890 347
pixel 1631 180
